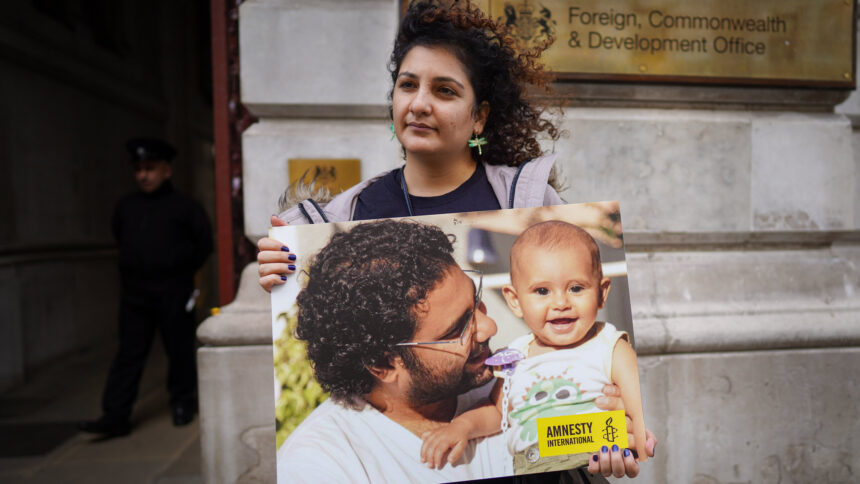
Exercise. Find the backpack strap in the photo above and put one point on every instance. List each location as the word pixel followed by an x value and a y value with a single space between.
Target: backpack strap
pixel 513 189
pixel 312 212
pixel 529 186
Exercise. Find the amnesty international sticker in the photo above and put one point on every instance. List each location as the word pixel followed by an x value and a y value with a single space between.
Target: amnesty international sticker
pixel 587 432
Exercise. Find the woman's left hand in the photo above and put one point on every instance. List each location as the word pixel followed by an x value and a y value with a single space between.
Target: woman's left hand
pixel 614 461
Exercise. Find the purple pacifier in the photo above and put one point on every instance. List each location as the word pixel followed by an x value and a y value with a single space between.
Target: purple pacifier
pixel 506 358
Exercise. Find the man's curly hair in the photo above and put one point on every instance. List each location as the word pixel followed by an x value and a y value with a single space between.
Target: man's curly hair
pixel 360 300
pixel 497 70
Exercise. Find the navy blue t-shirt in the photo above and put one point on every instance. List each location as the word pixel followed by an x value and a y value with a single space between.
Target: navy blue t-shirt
pixel 384 198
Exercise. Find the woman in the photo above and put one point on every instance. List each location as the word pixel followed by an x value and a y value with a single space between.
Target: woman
pixel 469 138
pixel 468 134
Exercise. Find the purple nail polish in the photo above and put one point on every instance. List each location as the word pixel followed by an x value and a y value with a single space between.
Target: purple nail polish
pixel 283 278
pixel 291 267
pixel 604 449
pixel 284 248
pixel 626 452
pixel 292 257
pixel 614 448
pixel 594 457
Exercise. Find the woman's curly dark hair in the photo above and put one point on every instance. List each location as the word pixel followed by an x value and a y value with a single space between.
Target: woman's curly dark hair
pixel 360 299
pixel 497 71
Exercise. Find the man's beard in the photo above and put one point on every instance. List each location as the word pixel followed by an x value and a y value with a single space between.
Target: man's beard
pixel 430 385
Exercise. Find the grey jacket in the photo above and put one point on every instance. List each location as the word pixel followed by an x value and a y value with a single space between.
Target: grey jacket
pixel 515 187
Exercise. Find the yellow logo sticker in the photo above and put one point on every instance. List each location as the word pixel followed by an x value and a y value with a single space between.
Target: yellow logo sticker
pixel 587 432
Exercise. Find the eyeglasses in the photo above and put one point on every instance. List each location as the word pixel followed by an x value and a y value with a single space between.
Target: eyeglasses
pixel 462 338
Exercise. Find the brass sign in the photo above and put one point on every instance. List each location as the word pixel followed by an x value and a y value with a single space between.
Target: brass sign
pixel 782 42
pixel 336 174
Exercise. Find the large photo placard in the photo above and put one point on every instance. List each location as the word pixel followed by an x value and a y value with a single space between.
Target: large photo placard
pixel 387 320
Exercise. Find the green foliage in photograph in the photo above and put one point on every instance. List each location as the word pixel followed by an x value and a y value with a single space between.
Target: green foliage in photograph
pixel 300 392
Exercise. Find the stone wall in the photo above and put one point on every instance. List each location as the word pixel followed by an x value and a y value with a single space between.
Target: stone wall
pixel 74 85
pixel 741 224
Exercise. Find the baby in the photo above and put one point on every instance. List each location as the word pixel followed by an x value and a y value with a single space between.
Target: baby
pixel 557 287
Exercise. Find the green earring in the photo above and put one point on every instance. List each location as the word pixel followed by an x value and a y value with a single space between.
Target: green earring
pixel 478 142
pixel 393 134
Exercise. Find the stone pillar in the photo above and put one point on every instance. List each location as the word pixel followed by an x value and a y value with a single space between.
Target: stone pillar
pixel 236 388
pixel 742 229
pixel 314 73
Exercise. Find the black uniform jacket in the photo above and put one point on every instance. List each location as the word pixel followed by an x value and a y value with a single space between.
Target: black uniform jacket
pixel 164 237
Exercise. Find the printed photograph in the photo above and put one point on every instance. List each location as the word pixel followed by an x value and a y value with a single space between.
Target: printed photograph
pixel 455 347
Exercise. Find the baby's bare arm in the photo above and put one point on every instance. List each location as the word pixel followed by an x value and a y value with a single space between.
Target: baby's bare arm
pixel 625 374
pixel 447 443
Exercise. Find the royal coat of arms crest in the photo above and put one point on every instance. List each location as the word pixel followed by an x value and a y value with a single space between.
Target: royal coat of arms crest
pixel 531 24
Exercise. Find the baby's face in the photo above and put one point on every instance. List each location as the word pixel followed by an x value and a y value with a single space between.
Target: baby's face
pixel 557 293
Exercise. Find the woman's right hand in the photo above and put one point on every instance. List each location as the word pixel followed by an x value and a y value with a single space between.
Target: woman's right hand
pixel 275 259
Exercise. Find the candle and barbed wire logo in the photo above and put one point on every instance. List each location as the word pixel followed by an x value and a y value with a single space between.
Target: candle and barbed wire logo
pixel 610 433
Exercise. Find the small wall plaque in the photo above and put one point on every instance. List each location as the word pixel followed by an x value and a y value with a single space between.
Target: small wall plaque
pixel 336 174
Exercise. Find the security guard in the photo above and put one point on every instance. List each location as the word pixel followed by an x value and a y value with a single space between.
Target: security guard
pixel 164 237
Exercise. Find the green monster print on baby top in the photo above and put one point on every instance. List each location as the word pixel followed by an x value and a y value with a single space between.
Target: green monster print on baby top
pixel 549 397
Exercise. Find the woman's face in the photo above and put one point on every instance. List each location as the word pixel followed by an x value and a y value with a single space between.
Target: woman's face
pixel 433 104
